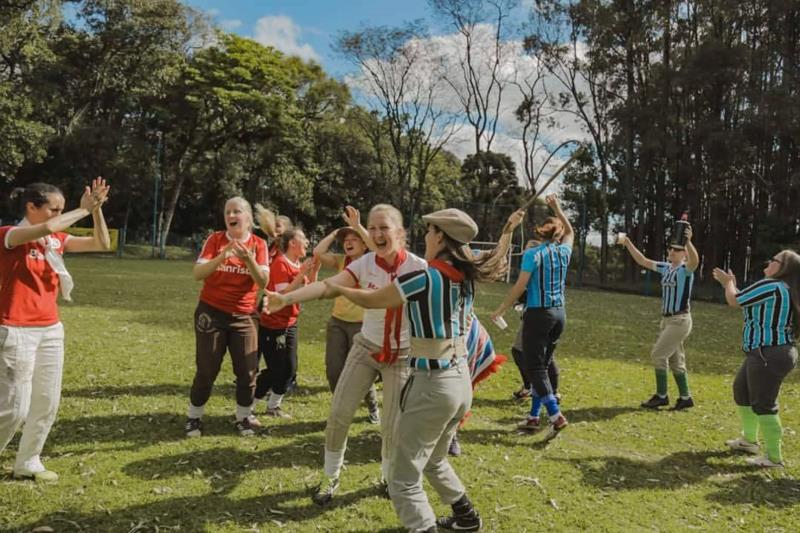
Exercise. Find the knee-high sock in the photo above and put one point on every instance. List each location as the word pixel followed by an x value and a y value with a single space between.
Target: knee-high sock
pixel 682 380
pixel 773 432
pixel 661 382
pixel 749 423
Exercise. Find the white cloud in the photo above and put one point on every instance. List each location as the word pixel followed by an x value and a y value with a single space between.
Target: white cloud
pixel 282 33
pixel 442 55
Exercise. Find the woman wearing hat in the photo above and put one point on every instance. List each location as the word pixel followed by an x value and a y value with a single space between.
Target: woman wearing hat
pixel 32 274
pixel 771 316
pixel 346 317
pixel 543 274
pixel 380 348
pixel 677 275
pixel 438 393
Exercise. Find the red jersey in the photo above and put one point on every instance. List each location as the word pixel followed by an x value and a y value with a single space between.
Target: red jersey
pixel 28 284
pixel 282 273
pixel 231 288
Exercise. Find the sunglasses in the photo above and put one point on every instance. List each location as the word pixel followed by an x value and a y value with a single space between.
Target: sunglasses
pixel 771 260
pixel 673 249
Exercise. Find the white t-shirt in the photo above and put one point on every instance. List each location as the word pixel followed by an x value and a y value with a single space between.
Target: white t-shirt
pixel 370 276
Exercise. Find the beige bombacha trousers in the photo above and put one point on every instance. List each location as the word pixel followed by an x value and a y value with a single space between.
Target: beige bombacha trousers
pixel 668 352
pixel 360 371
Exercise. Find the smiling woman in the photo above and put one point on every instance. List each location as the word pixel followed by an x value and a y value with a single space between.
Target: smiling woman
pixel 233 267
pixel 32 273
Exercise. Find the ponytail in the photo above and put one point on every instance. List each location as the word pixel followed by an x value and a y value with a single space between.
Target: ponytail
pixel 35 193
pixel 789 273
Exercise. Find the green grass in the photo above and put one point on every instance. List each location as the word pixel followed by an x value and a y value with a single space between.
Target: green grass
pixel 125 465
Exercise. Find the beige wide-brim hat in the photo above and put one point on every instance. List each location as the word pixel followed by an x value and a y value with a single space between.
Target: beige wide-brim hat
pixel 455 223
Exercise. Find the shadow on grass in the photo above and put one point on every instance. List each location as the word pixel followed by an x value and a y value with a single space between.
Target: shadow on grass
pixel 759 490
pixel 235 463
pixel 270 512
pixel 671 472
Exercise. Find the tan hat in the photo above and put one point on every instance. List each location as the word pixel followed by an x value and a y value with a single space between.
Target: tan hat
pixel 343 232
pixel 455 223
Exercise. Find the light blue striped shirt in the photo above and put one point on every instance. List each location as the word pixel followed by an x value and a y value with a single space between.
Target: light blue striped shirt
pixel 548 265
pixel 676 287
pixel 768 314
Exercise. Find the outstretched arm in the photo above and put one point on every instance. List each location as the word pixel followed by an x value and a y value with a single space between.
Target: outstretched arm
pixel 383 298
pixel 100 241
pixel 637 256
pixel 89 202
pixel 313 291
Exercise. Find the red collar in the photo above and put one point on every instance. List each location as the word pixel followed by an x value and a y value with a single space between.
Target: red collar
pixel 448 270
pixel 399 259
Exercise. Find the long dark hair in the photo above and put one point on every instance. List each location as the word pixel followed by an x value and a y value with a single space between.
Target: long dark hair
pixel 487 266
pixel 551 230
pixel 286 237
pixel 789 273
pixel 35 193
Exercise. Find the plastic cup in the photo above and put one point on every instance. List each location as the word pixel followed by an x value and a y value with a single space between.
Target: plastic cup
pixel 621 237
pixel 500 322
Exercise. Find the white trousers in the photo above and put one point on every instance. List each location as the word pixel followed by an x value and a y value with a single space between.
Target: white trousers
pixel 31 365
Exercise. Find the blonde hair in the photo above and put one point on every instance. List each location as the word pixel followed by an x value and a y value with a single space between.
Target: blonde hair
pixel 394 215
pixel 286 221
pixel 245 205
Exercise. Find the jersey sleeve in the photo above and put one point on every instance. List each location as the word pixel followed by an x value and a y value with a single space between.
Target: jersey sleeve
pixel 755 293
pixel 661 267
pixel 530 260
pixel 4 231
pixel 262 260
pixel 412 286
pixel 357 267
pixel 209 250
pixel 279 277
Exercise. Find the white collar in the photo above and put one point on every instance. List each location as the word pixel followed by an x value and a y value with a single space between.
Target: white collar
pixel 245 239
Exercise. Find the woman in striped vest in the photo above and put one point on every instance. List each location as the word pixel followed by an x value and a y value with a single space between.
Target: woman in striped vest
pixel 677 276
pixel 438 393
pixel 771 312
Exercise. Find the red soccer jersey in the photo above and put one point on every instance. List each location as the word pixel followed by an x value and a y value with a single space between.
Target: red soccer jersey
pixel 28 285
pixel 231 288
pixel 282 273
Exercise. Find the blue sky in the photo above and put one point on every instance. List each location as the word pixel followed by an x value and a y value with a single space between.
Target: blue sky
pixel 308 27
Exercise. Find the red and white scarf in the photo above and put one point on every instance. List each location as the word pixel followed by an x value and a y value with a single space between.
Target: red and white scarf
pixel 393 320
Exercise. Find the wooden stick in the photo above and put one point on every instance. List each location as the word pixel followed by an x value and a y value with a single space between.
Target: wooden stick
pixel 561 169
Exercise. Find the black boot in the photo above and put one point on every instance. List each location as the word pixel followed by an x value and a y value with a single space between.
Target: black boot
pixel 465 517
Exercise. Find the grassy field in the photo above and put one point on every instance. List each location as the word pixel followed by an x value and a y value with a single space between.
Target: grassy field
pixel 125 466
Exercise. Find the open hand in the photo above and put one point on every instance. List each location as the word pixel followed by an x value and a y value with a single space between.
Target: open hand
pixel 352 216
pixel 274 302
pixel 724 278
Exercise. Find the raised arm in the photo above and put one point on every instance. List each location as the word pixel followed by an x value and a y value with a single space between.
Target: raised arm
pixel 353 218
pixel 637 256
pixel 692 257
pixel 89 202
pixel 569 234
pixel 504 242
pixel 728 282
pixel 100 241
pixel 321 250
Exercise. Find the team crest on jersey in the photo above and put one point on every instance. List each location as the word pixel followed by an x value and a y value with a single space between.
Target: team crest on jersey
pixel 55 244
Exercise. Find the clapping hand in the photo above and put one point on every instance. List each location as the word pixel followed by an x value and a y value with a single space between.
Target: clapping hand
pixel 240 250
pixel 724 278
pixel 95 195
pixel 552 201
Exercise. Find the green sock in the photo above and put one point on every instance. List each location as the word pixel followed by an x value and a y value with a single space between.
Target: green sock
pixel 749 423
pixel 661 382
pixel 682 380
pixel 773 431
